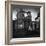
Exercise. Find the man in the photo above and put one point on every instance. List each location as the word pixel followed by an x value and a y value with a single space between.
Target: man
pixel 27 21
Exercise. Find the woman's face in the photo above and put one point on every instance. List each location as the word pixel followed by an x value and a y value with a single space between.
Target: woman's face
pixel 20 15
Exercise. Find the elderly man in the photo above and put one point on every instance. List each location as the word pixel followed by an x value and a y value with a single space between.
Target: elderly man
pixel 27 22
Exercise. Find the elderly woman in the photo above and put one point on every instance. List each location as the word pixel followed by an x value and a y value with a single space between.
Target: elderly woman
pixel 19 24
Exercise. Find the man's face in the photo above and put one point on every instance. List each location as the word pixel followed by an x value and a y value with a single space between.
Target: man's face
pixel 28 14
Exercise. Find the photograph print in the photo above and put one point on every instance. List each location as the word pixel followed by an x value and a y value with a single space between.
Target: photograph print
pixel 26 21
